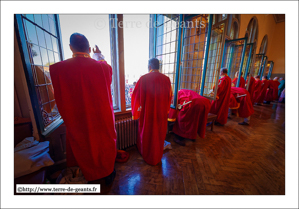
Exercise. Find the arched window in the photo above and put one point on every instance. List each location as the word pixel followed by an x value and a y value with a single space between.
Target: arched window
pixel 234 31
pixel 252 30
pixel 264 44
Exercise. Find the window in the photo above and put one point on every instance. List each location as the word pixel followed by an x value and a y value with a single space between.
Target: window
pixel 263 48
pixel 136 51
pixel 96 28
pixel 166 45
pixel 193 51
pixel 252 29
pixel 40 44
pixel 257 64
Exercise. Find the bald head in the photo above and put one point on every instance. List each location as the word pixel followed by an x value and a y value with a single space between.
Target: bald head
pixel 79 43
pixel 275 79
pixel 265 77
pixel 153 64
pixel 223 71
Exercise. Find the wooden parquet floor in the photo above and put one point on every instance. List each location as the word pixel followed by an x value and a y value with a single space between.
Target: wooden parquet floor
pixel 231 160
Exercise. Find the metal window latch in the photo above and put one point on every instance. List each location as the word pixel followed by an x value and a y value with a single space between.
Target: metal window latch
pixel 181 105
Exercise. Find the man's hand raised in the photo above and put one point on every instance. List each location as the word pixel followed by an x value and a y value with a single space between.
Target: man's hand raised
pixel 96 49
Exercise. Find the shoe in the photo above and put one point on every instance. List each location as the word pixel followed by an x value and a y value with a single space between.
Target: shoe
pixel 179 141
pixel 229 117
pixel 109 179
pixel 218 124
pixel 244 123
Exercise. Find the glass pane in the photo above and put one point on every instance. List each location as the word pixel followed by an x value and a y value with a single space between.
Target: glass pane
pixel 38 20
pixel 56 56
pixel 52 26
pixel 47 75
pixel 51 16
pixel 47 119
pixel 43 94
pixel 55 44
pixel 40 75
pixel 50 92
pixel 54 109
pixel 44 57
pixel 31 32
pixel 34 54
pixel 29 16
pixel 51 57
pixel 48 41
pixel 41 37
pixel 135 37
pixel 46 22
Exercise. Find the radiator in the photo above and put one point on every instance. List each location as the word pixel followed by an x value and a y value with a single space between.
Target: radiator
pixel 126 130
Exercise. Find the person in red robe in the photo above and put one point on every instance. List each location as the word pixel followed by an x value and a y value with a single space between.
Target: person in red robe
pixel 251 86
pixel 272 92
pixel 257 88
pixel 244 104
pixel 235 80
pixel 192 116
pixel 150 104
pixel 220 106
pixel 261 92
pixel 83 97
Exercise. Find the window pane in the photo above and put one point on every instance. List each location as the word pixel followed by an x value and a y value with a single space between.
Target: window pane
pixel 34 54
pixel 46 22
pixel 43 94
pixel 40 75
pixel 44 57
pixel 38 20
pixel 31 32
pixel 48 41
pixel 56 56
pixel 47 75
pixel 52 26
pixel 29 16
pixel 50 92
pixel 41 37
pixel 51 57
pixel 136 62
pixel 55 44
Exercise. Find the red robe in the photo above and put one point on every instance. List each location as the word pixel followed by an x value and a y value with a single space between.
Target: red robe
pixel 257 90
pixel 150 103
pixel 272 92
pixel 83 97
pixel 260 94
pixel 242 82
pixel 246 108
pixel 220 106
pixel 192 118
pixel 251 88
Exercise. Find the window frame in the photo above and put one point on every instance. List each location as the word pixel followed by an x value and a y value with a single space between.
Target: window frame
pixel 24 51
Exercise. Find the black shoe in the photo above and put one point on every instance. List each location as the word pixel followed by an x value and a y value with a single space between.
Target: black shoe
pixel 179 140
pixel 218 124
pixel 244 123
pixel 109 179
pixel 229 117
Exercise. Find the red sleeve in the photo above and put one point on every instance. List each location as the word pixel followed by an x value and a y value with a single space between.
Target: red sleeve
pixel 135 101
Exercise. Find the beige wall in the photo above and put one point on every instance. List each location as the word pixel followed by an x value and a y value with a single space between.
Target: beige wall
pixel 276 38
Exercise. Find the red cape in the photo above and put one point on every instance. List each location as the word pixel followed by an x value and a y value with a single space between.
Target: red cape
pixel 192 118
pixel 246 108
pixel 242 82
pixel 251 88
pixel 272 92
pixel 261 92
pixel 220 106
pixel 150 103
pixel 83 97
pixel 257 90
